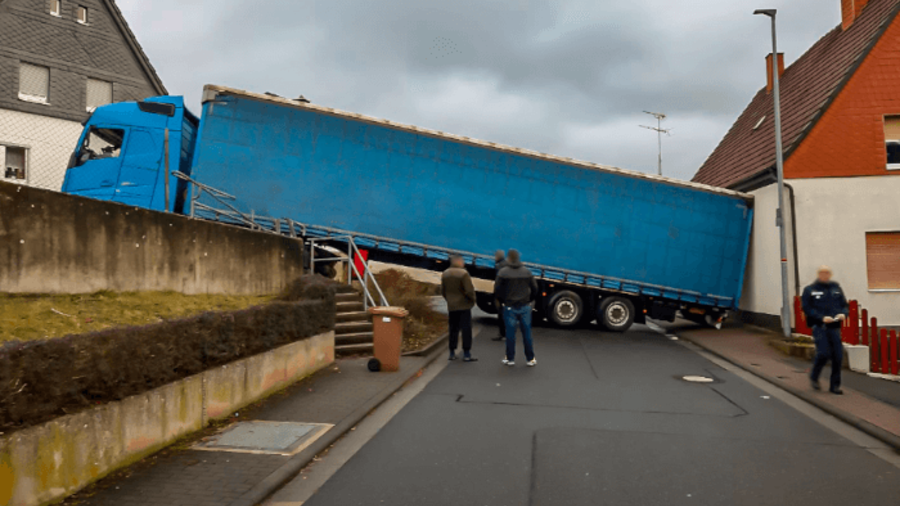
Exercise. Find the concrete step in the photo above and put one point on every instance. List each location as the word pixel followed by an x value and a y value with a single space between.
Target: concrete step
pixel 352 316
pixel 342 288
pixel 348 297
pixel 346 307
pixel 355 338
pixel 350 327
pixel 353 349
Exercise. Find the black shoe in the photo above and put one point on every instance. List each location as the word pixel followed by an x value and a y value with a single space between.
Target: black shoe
pixel 498 338
pixel 452 356
pixel 837 391
pixel 470 359
pixel 815 385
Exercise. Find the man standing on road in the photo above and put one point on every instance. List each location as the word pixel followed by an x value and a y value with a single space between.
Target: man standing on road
pixel 499 264
pixel 459 292
pixel 826 308
pixel 516 289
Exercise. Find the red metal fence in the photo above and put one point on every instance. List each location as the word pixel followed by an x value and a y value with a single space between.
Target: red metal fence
pixel 859 328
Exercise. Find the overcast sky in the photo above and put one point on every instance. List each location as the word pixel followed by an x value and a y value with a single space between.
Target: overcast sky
pixel 568 77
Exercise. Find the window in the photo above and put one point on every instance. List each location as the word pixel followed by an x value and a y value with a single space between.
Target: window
pixel 34 83
pixel 14 162
pixel 56 7
pixel 101 143
pixel 98 93
pixel 892 141
pixel 81 14
pixel 883 260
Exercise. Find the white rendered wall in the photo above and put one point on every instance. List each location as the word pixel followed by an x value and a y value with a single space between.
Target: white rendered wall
pixel 50 143
pixel 833 216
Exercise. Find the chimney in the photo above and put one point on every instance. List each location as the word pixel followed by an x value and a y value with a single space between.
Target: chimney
pixel 771 82
pixel 850 11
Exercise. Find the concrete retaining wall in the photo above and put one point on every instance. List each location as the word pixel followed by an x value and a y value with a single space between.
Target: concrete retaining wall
pixel 56 243
pixel 45 463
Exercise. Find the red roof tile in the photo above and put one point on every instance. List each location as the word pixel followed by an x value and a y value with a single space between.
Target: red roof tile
pixel 808 87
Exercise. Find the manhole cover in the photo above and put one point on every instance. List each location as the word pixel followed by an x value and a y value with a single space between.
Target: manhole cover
pixel 698 379
pixel 277 438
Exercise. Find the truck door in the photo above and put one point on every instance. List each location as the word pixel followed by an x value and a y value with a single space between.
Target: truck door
pixel 94 170
pixel 140 168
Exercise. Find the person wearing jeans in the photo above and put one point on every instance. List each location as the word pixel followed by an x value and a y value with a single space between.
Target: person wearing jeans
pixel 826 308
pixel 459 292
pixel 516 290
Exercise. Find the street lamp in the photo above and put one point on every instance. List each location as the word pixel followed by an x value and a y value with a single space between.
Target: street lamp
pixel 779 163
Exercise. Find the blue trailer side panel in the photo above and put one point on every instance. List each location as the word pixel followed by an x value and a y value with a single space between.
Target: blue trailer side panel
pixel 346 173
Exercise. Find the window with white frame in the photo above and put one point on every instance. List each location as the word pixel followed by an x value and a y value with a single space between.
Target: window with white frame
pixel 81 14
pixel 56 8
pixel 98 93
pixel 892 141
pixel 14 160
pixel 34 83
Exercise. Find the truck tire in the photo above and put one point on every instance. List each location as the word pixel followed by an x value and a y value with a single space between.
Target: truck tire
pixel 616 313
pixel 565 309
pixel 485 302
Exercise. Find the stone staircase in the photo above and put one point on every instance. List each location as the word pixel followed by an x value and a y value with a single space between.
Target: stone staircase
pixel 353 325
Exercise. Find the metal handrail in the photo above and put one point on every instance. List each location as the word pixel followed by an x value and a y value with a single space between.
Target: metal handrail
pixel 352 253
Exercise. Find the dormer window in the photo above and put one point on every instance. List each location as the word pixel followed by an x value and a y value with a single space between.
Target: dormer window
pixel 56 8
pixel 81 14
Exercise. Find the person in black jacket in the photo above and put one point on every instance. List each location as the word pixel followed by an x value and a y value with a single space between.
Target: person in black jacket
pixel 516 290
pixel 825 307
pixel 499 264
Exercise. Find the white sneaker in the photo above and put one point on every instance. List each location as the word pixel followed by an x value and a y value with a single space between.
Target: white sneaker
pixel 532 362
pixel 508 362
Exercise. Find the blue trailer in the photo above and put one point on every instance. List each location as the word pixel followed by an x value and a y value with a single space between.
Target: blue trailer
pixel 607 244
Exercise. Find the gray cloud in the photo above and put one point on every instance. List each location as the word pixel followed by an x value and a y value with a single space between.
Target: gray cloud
pixel 569 77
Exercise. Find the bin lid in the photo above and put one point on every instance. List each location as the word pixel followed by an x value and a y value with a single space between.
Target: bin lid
pixel 397 312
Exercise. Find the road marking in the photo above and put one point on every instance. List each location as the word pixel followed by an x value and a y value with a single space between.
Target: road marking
pixel 313 477
pixel 854 435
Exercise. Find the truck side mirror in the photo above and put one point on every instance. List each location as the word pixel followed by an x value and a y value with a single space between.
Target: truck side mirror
pixel 84 157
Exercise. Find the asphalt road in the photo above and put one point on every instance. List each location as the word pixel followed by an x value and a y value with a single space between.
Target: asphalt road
pixel 604 419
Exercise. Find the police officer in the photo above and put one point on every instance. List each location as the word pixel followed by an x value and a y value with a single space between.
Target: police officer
pixel 826 308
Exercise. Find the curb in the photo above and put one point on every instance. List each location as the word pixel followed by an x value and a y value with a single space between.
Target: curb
pixel 869 428
pixel 295 464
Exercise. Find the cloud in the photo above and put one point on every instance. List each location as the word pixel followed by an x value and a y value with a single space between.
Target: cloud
pixel 569 77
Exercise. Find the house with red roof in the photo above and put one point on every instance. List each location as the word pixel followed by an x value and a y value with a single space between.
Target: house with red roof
pixel 841 129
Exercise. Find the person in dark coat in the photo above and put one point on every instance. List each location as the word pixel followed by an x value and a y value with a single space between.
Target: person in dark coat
pixel 516 289
pixel 459 292
pixel 499 264
pixel 825 307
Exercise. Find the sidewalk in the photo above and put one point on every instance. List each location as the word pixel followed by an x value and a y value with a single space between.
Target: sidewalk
pixel 341 394
pixel 748 348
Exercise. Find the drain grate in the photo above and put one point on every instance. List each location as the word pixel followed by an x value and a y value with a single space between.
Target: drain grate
pixel 273 438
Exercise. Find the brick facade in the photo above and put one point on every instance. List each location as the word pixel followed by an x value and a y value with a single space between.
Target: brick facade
pixel 848 140
pixel 103 49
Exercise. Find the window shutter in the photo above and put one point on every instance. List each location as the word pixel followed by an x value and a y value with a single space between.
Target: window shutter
pixel 34 81
pixel 98 93
pixel 883 260
pixel 892 128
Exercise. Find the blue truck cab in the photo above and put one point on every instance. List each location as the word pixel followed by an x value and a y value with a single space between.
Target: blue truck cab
pixel 127 150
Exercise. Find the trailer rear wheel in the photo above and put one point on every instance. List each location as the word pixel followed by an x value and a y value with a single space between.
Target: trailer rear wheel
pixel 616 313
pixel 565 308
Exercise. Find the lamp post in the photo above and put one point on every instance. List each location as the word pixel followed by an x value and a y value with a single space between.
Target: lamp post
pixel 779 163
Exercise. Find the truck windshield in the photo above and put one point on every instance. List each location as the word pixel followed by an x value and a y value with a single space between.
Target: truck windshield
pixel 101 143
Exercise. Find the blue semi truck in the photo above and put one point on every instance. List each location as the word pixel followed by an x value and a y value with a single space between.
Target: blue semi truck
pixel 606 244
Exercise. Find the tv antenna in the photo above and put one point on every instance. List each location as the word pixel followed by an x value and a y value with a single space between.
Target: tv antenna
pixel 659 132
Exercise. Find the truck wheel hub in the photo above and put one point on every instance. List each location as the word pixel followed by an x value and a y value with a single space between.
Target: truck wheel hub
pixel 566 310
pixel 616 314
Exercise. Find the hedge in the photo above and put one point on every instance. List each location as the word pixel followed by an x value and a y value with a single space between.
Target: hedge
pixel 41 380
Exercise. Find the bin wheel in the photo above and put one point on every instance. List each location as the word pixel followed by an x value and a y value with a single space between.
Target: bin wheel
pixel 616 313
pixel 374 365
pixel 565 309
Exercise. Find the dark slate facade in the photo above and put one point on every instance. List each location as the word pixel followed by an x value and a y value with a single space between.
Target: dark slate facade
pixel 103 49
